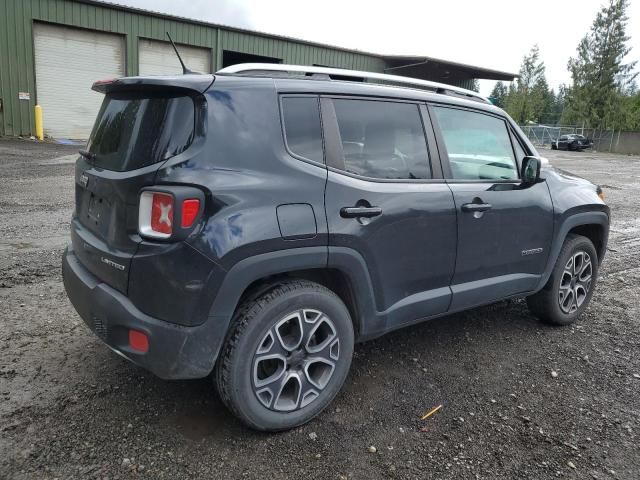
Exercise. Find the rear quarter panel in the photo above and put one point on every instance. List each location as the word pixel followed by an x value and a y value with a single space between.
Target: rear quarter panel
pixel 247 173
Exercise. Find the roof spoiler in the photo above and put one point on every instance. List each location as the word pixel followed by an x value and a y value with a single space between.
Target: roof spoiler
pixel 195 82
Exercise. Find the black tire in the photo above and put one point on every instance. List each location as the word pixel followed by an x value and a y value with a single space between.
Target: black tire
pixel 275 316
pixel 556 307
pixel 554 146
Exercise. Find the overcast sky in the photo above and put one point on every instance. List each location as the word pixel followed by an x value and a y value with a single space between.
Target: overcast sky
pixel 487 33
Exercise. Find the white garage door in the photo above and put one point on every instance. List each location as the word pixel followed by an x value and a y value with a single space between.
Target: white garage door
pixel 158 58
pixel 68 61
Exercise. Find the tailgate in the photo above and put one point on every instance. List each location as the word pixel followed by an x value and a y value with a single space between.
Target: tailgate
pixel 134 134
pixel 104 226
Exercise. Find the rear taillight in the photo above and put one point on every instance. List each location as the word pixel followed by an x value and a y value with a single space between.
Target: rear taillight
pixel 155 217
pixel 162 213
pixel 190 209
pixel 169 213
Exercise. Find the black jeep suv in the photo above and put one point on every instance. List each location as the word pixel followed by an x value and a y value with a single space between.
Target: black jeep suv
pixel 571 142
pixel 255 223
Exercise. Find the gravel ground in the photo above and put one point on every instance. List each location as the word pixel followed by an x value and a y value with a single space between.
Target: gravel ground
pixel 520 399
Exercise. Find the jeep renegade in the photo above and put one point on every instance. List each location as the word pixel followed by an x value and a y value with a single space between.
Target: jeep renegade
pixel 255 223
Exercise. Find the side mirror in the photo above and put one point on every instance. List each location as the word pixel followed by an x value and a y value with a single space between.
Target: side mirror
pixel 530 172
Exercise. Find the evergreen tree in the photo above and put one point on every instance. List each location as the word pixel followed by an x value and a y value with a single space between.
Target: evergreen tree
pixel 509 99
pixel 600 78
pixel 499 95
pixel 556 109
pixel 475 85
pixel 631 112
pixel 527 96
pixel 543 100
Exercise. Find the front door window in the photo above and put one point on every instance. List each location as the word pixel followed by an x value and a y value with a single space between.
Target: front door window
pixel 478 145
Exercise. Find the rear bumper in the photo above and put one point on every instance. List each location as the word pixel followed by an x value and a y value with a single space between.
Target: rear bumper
pixel 175 351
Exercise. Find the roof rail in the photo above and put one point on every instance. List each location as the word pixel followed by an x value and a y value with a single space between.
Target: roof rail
pixel 245 68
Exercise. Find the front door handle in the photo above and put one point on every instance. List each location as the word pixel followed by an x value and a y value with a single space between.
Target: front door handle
pixel 476 207
pixel 360 212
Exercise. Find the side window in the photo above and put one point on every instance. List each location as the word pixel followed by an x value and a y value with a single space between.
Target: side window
pixel 520 153
pixel 478 145
pixel 382 139
pixel 302 129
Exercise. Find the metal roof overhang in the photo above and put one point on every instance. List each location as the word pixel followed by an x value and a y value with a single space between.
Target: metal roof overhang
pixel 438 70
pixel 441 70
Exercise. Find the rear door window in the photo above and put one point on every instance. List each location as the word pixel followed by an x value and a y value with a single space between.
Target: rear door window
pixel 478 145
pixel 302 131
pixel 382 139
pixel 134 130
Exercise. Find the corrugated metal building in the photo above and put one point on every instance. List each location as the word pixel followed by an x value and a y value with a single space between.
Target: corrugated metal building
pixel 52 50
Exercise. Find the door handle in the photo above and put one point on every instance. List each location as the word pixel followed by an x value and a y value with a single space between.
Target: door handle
pixel 476 207
pixel 359 212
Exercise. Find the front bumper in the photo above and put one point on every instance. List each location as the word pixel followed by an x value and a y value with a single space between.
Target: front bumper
pixel 175 351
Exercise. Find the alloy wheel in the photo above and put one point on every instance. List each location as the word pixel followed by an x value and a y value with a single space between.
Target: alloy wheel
pixel 295 360
pixel 575 282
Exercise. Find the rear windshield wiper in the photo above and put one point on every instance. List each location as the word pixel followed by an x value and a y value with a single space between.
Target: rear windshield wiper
pixel 88 155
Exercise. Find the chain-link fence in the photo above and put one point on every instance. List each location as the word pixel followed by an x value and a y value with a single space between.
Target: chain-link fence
pixel 613 141
pixel 542 135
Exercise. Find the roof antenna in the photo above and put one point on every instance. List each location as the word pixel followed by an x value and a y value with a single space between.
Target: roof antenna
pixel 185 70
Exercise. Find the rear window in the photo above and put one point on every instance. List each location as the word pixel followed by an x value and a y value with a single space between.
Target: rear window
pixel 382 139
pixel 133 130
pixel 302 127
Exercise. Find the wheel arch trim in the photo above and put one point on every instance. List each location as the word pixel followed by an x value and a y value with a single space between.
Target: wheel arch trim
pixel 254 268
pixel 569 223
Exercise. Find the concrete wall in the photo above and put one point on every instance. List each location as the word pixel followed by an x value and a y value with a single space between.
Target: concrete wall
pixel 623 142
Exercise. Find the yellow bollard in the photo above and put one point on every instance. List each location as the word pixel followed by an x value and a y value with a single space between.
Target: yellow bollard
pixel 39 127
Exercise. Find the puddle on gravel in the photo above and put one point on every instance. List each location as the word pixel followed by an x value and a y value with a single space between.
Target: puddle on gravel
pixel 21 245
pixel 63 160
pixel 57 241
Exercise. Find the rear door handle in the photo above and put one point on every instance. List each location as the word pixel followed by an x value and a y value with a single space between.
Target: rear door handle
pixel 359 212
pixel 476 207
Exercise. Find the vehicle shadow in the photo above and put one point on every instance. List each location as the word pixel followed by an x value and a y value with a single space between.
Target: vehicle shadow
pixel 480 344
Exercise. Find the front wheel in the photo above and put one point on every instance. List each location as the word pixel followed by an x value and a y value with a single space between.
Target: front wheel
pixel 286 357
pixel 571 285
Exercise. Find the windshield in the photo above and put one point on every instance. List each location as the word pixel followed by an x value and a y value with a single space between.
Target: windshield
pixel 136 130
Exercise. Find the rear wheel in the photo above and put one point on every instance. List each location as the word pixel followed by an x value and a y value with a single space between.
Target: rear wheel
pixel 571 284
pixel 554 146
pixel 286 357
